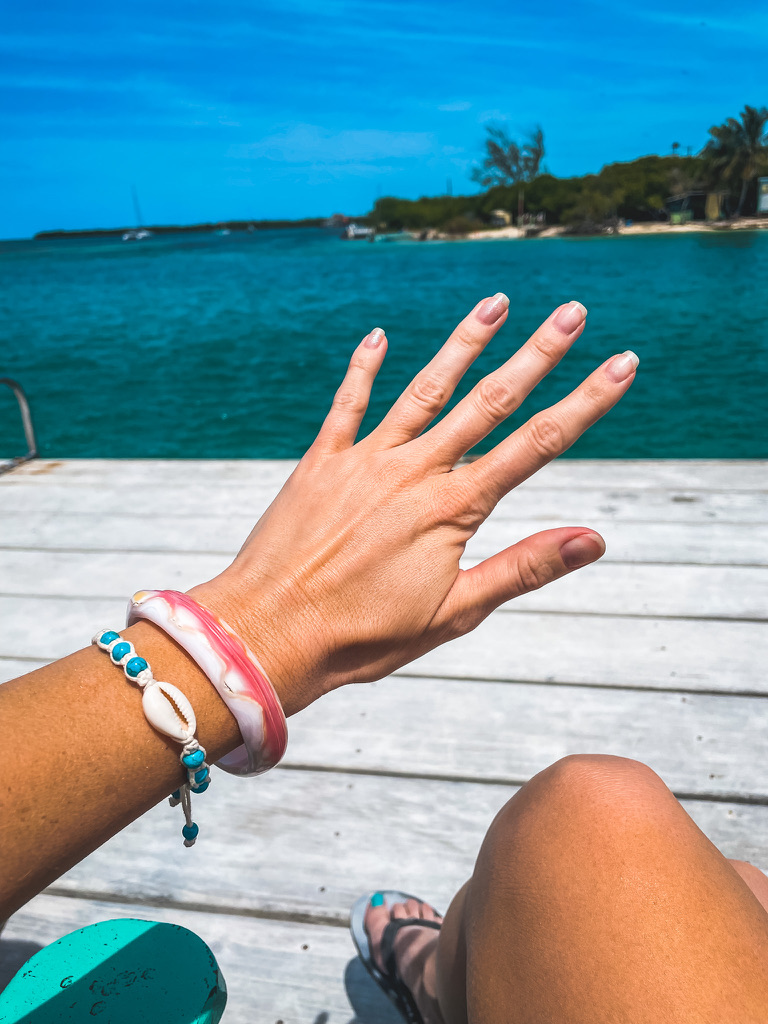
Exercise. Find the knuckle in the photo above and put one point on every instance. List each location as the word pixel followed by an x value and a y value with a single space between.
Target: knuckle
pixel 431 394
pixel 547 346
pixel 534 573
pixel 546 436
pixel 465 338
pixel 495 398
pixel 349 401
pixel 592 392
pixel 457 506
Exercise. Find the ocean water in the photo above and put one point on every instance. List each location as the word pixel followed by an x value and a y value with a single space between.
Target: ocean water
pixel 209 347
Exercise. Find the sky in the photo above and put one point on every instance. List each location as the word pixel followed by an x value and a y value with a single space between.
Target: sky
pixel 230 109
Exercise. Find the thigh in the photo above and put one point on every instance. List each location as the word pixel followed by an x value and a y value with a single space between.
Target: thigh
pixel 596 898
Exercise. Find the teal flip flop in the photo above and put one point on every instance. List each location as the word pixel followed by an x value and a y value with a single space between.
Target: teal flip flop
pixel 389 982
pixel 121 972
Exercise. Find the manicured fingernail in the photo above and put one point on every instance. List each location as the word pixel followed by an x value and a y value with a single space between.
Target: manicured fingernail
pixel 570 316
pixel 493 309
pixel 582 550
pixel 377 900
pixel 621 367
pixel 374 338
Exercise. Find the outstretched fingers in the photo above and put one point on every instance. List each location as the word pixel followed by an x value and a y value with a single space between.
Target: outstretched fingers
pixel 549 433
pixel 431 389
pixel 350 402
pixel 499 394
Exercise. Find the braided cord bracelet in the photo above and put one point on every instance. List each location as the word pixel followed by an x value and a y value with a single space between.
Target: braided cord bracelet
pixel 231 667
pixel 168 710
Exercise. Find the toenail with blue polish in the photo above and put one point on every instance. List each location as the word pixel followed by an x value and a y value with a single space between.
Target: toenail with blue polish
pixel 377 900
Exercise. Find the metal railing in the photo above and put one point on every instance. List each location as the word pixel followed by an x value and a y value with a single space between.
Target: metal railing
pixel 26 419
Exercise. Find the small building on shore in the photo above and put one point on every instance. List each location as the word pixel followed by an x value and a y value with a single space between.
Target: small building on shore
pixel 697 205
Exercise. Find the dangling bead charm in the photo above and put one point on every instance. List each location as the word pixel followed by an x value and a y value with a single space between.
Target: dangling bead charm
pixel 168 711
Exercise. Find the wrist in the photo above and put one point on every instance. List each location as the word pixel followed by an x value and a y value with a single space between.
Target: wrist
pixel 266 626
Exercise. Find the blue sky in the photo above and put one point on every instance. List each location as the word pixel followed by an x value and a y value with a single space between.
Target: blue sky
pixel 236 109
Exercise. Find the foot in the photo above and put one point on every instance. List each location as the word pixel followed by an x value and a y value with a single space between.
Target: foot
pixel 415 952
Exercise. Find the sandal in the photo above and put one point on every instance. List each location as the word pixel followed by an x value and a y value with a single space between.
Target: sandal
pixel 389 982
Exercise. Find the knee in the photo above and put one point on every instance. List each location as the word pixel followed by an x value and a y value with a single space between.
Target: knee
pixel 599 776
pixel 584 793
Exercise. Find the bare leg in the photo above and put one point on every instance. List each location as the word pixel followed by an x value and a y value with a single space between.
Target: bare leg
pixel 596 898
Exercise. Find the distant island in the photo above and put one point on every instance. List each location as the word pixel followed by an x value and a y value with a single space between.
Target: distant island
pixel 177 229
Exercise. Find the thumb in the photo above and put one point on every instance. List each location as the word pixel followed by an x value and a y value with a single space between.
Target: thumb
pixel 525 566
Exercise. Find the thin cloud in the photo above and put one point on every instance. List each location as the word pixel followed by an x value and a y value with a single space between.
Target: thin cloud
pixel 312 144
pixel 455 108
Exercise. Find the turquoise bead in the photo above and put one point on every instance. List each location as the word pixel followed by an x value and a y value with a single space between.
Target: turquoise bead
pixel 190 831
pixel 176 794
pixel 108 637
pixel 202 775
pixel 202 787
pixel 193 760
pixel 134 666
pixel 120 650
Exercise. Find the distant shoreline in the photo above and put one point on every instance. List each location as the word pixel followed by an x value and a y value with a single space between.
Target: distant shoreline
pixel 180 229
pixel 432 234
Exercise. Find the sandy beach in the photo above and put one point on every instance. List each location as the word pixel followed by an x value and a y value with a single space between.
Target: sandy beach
pixel 644 228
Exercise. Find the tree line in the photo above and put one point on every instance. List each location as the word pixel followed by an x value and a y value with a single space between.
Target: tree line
pixel 513 177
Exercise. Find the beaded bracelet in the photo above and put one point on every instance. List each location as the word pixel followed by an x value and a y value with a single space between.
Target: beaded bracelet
pixel 167 710
pixel 232 668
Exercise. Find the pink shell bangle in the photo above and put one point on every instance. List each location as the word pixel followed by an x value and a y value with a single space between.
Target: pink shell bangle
pixel 232 668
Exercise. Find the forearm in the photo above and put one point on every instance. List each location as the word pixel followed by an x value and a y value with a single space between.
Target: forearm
pixel 80 760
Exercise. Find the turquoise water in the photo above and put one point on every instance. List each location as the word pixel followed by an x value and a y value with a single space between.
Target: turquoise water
pixel 210 346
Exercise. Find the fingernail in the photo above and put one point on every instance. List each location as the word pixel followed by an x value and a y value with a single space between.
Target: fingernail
pixel 582 550
pixel 377 900
pixel 620 367
pixel 374 338
pixel 570 316
pixel 493 309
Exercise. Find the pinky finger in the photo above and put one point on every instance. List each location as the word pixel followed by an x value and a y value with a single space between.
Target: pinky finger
pixel 351 400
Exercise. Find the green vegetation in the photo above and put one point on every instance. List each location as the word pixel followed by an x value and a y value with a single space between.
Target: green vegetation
pixel 637 190
pixel 738 151
pixel 507 163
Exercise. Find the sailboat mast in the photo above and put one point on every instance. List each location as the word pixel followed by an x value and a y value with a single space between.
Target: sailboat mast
pixel 136 207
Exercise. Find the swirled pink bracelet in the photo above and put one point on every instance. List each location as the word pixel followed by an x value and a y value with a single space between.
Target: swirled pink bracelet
pixel 232 668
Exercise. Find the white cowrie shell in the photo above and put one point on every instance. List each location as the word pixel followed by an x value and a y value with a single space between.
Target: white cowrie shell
pixel 158 703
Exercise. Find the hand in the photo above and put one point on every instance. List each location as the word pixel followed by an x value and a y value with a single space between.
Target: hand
pixel 353 571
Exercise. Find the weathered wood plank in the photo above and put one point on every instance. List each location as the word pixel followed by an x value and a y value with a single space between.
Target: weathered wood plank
pixel 703 745
pixel 308 843
pixel 604 588
pixel 696 474
pixel 274 970
pixel 214 499
pixel 645 653
pixel 524 646
pixel 698 543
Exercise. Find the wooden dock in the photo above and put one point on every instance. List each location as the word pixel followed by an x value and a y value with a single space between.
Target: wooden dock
pixel 659 652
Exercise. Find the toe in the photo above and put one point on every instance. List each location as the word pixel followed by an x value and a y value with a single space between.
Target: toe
pixel 375 921
pixel 413 908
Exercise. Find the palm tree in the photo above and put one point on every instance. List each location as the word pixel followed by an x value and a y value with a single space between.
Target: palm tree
pixel 738 149
pixel 506 162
